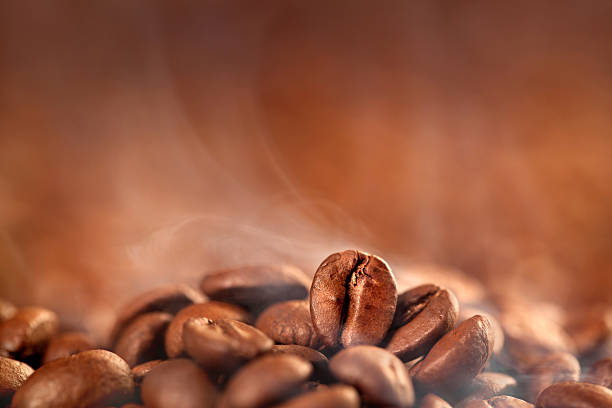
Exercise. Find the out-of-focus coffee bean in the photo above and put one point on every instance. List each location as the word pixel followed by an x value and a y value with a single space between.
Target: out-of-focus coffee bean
pixel 13 374
pixel 28 331
pixel 467 312
pixel 601 373
pixel 457 357
pixel 265 381
pixel 575 395
pixel 379 376
pixel 169 299
pixel 89 378
pixel 433 401
pixel 506 401
pixel 142 340
pixel 487 385
pixel 352 299
pixel 7 310
pixel 67 344
pixel 256 286
pixel 289 323
pixel 223 345
pixel 212 310
pixel 590 328
pixel 178 383
pixel 335 396
pixel 423 315
pixel 554 368
pixel 141 370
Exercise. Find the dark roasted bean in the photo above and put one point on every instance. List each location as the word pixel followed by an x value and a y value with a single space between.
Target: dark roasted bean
pixel 378 375
pixel 13 374
pixel 335 396
pixel 265 381
pixel 169 299
pixel 92 377
pixel 352 299
pixel 178 383
pixel 67 344
pixel 289 323
pixel 142 340
pixel 212 310
pixel 223 345
pixel 423 315
pixel 256 286
pixel 457 357
pixel 317 359
pixel 28 331
pixel 575 395
pixel 141 370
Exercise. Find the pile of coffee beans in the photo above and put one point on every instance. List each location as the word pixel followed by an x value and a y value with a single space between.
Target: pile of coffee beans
pixel 269 337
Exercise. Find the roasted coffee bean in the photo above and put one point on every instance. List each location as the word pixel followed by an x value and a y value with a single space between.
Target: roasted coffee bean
pixel 142 340
pixel 554 368
pixel 223 345
pixel 67 344
pixel 169 299
pixel 256 286
pixel 141 370
pixel 266 381
pixel 352 299
pixel 13 374
pixel 28 331
pixel 498 333
pixel 89 378
pixel 423 315
pixel 7 310
pixel 433 401
pixel 289 323
pixel 379 376
pixel 575 395
pixel 336 396
pixel 212 310
pixel 457 357
pixel 487 385
pixel 505 401
pixel 317 359
pixel 178 383
pixel 601 373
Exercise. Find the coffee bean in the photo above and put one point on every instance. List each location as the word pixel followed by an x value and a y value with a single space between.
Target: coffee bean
pixel 142 340
pixel 378 375
pixel 289 323
pixel 67 344
pixel 13 374
pixel 505 401
pixel 336 396
pixel 433 401
pixel 178 383
pixel 589 328
pixel 212 310
pixel 256 286
pixel 266 381
pixel 601 373
pixel 7 310
pixel 457 357
pixel 498 332
pixel 28 331
pixel 223 345
pixel 487 385
pixel 169 299
pixel 575 395
pixel 352 299
pixel 140 371
pixel 317 359
pixel 423 315
pixel 554 368
pixel 89 378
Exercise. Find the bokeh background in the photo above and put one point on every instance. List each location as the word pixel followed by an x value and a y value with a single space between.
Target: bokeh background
pixel 146 142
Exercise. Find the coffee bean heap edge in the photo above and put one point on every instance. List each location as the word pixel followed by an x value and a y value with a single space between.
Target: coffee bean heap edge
pixel 264 336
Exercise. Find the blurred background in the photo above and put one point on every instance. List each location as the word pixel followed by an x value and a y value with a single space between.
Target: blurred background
pixel 146 142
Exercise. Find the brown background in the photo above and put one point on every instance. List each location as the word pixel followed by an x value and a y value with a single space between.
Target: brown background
pixel 145 142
